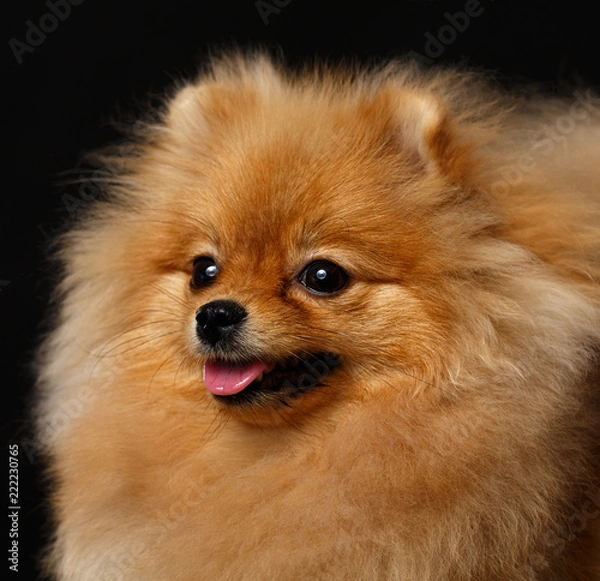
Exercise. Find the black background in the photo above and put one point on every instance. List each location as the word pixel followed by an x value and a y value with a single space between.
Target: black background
pixel 106 56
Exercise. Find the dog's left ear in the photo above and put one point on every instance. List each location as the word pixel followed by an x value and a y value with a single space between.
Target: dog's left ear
pixel 423 130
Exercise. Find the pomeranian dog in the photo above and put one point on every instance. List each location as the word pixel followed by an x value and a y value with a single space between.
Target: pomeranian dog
pixel 332 324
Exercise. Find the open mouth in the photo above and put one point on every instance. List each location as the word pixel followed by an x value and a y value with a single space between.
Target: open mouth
pixel 253 381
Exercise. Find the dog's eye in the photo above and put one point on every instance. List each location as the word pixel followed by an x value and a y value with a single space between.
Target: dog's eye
pixel 204 273
pixel 323 277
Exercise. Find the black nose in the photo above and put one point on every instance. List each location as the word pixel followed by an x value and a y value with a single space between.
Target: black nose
pixel 219 321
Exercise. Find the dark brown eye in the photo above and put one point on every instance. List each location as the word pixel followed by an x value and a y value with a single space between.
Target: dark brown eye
pixel 323 277
pixel 204 273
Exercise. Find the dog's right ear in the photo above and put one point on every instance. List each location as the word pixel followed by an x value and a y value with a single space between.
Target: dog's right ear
pixel 186 113
pixel 233 84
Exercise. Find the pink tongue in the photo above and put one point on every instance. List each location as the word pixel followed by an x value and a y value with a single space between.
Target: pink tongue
pixel 228 379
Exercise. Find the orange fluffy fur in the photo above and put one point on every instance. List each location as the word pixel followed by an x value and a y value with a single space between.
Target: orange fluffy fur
pixel 457 439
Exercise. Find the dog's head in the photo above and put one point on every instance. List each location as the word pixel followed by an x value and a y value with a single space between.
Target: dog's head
pixel 304 232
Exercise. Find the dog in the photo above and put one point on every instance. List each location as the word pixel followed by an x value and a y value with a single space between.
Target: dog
pixel 330 324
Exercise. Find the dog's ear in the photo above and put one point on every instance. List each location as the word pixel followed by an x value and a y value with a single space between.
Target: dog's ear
pixel 186 115
pixel 200 111
pixel 420 126
pixel 233 84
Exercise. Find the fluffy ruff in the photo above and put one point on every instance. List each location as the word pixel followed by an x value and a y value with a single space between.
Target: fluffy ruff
pixel 405 266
